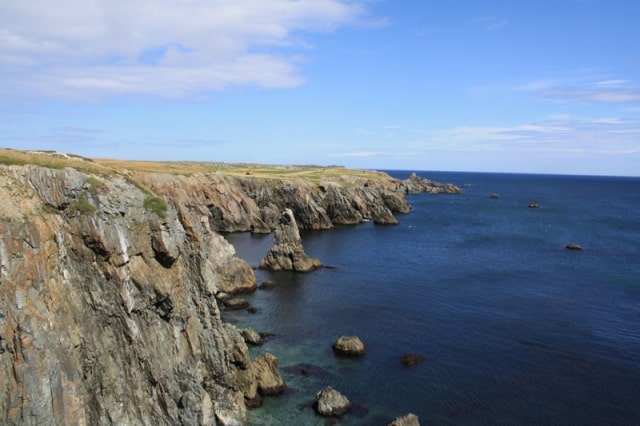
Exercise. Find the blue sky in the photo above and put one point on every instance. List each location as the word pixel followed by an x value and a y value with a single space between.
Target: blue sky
pixel 512 86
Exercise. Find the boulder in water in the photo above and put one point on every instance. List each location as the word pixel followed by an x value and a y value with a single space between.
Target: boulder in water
pixel 267 374
pixel 408 420
pixel 349 345
pixel 330 402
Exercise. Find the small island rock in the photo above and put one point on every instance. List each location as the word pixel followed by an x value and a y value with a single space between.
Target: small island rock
pixel 349 345
pixel 408 420
pixel 533 205
pixel 494 196
pixel 573 246
pixel 330 402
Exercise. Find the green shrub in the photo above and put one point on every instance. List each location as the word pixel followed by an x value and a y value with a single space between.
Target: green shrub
pixel 81 206
pixel 156 205
pixel 94 185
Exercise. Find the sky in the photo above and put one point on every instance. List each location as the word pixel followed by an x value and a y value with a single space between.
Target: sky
pixel 531 86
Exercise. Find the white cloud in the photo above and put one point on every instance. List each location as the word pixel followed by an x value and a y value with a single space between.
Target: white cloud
pixel 610 83
pixel 95 48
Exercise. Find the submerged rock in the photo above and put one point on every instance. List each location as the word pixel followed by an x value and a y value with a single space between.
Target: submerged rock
pixel 349 345
pixel 235 304
pixel 330 402
pixel 287 252
pixel 411 359
pixel 267 285
pixel 533 205
pixel 494 196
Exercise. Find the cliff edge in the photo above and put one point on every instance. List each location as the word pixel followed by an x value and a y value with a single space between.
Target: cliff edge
pixel 108 277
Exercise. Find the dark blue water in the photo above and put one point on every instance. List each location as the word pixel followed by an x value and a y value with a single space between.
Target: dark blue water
pixel 513 328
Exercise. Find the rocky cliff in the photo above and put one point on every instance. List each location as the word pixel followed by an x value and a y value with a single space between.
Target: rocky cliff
pixel 108 281
pixel 107 308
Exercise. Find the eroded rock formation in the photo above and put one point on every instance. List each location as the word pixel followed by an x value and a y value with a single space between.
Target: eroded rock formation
pixel 287 252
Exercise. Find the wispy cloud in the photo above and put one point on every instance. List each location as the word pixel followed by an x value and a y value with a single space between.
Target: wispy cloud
pixel 610 83
pixel 359 154
pixel 491 23
pixel 582 86
pixel 94 48
pixel 498 24
pixel 563 133
pixel 604 95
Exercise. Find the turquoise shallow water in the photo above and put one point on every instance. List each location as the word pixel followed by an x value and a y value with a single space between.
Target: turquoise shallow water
pixel 513 328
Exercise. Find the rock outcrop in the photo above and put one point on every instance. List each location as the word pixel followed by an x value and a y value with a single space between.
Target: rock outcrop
pixel 415 184
pixel 287 252
pixel 107 307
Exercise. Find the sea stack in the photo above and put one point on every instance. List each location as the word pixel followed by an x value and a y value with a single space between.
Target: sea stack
pixel 287 252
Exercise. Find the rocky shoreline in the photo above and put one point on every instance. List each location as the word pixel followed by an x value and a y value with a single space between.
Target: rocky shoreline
pixel 108 309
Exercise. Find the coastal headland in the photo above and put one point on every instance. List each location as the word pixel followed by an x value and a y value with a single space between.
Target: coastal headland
pixel 109 272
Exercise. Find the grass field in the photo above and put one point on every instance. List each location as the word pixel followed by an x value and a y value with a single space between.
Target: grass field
pixel 101 166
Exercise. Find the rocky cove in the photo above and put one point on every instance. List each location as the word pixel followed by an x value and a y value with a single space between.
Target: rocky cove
pixel 108 284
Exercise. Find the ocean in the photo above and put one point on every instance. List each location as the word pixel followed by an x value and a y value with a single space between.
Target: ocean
pixel 513 328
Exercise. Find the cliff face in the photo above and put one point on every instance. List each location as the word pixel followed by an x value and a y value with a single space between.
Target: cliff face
pixel 253 204
pixel 107 310
pixel 107 289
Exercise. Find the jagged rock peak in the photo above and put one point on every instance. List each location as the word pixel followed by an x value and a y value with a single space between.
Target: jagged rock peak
pixel 287 252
